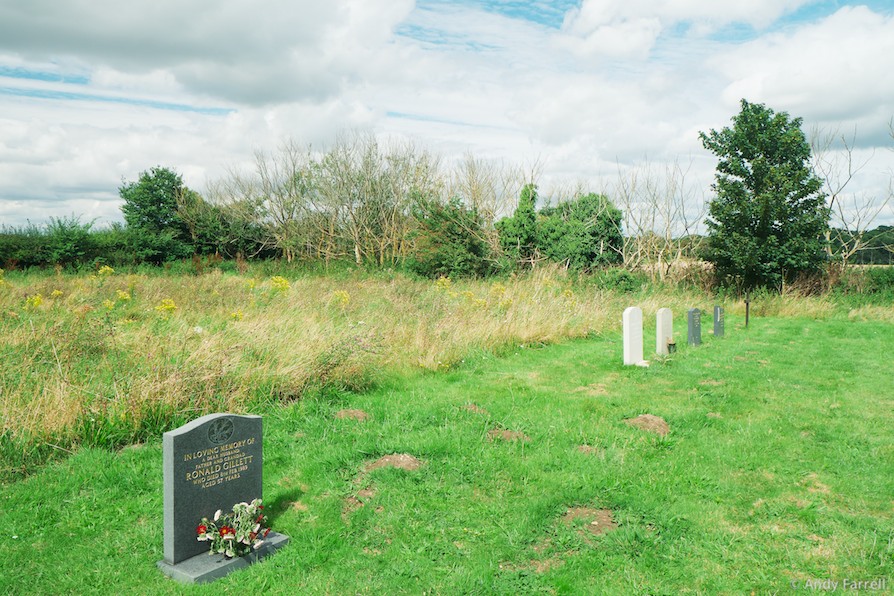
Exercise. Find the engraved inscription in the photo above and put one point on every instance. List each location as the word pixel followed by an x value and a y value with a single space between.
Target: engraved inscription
pixel 219 464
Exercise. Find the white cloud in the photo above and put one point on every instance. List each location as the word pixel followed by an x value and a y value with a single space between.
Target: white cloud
pixel 237 50
pixel 618 83
pixel 835 70
pixel 594 14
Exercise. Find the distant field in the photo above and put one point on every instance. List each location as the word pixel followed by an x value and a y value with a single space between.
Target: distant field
pixel 778 467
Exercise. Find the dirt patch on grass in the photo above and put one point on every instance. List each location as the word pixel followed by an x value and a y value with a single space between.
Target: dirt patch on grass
pixel 589 450
pixel 358 500
pixel 813 485
pixel 352 415
pixel 594 390
pixel 713 415
pixel 711 383
pixel 475 409
pixel 649 423
pixel 501 434
pixel 590 521
pixel 401 461
pixel 536 565
pixel 298 506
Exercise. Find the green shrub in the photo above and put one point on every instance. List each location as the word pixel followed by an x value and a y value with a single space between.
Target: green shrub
pixel 518 234
pixel 619 280
pixel 69 242
pixel 449 242
pixel 583 234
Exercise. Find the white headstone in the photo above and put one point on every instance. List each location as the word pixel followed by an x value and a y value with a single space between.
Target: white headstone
pixel 664 330
pixel 633 336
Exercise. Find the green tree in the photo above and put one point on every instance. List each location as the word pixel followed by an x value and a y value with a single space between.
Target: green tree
pixel 518 234
pixel 158 232
pixel 449 241
pixel 768 220
pixel 584 233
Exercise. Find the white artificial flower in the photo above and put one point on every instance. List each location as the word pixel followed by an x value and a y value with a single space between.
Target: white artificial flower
pixel 217 515
pixel 258 544
pixel 257 527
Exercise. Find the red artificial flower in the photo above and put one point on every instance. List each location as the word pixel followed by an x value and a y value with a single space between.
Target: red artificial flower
pixel 252 536
pixel 260 519
pixel 227 530
pixel 201 529
pixel 267 531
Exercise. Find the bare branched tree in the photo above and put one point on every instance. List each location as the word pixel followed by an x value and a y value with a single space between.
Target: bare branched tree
pixel 852 214
pixel 661 215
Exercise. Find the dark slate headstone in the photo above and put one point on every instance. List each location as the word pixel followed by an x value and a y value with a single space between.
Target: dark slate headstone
pixel 210 463
pixel 695 327
pixel 718 321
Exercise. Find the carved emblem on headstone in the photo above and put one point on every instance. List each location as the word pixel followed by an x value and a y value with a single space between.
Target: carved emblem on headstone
pixel 220 431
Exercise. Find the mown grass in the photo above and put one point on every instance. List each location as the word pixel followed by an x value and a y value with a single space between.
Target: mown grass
pixel 778 468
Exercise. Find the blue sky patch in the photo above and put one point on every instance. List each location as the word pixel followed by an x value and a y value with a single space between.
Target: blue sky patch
pixel 144 103
pixel 42 75
pixel 549 13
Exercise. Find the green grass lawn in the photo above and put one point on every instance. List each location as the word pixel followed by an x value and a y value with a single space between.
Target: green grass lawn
pixel 778 467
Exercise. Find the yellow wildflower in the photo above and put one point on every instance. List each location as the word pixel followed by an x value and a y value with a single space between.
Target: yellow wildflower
pixel 105 271
pixel 33 302
pixel 342 297
pixel 497 289
pixel 279 283
pixel 167 306
pixel 122 295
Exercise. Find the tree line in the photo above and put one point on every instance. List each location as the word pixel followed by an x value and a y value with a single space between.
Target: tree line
pixel 392 205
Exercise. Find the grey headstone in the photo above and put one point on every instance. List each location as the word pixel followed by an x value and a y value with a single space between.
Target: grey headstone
pixel 664 331
pixel 695 327
pixel 210 463
pixel 718 321
pixel 633 335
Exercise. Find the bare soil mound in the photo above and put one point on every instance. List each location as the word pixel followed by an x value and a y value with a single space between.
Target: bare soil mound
pixel 650 423
pixel 401 461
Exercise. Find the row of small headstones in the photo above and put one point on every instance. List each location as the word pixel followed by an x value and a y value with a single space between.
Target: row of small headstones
pixel 664 332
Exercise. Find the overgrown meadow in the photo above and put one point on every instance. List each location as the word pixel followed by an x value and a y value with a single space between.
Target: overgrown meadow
pixel 108 358
pixel 509 394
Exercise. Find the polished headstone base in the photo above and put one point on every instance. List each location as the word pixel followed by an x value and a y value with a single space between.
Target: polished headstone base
pixel 205 568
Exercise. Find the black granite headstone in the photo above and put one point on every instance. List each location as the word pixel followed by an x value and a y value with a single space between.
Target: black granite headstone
pixel 695 327
pixel 718 321
pixel 210 463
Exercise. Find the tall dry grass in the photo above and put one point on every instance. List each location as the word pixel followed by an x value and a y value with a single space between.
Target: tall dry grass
pixel 121 347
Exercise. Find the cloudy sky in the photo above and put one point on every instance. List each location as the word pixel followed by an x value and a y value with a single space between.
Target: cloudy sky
pixel 92 92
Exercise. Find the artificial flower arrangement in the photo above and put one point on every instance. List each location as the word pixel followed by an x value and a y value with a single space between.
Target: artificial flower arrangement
pixel 237 533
